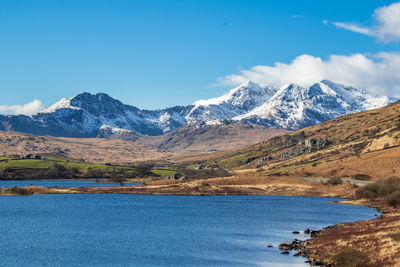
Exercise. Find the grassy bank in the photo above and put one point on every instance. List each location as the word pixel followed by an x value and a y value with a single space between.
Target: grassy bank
pixel 13 168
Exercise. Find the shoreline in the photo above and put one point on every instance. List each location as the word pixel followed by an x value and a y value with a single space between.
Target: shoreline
pixel 317 249
pixel 330 238
pixel 216 186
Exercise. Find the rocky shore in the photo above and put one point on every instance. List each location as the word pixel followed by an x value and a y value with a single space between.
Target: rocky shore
pixel 374 242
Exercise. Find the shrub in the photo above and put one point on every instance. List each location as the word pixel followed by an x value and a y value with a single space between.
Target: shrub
pixel 204 184
pixel 335 181
pixel 369 191
pixel 364 177
pixel 143 170
pixel 94 173
pixel 393 199
pixel 386 189
pixel 315 164
pixel 351 257
pixel 369 195
pixel 396 237
pixel 372 187
pixel 20 191
pixel 389 190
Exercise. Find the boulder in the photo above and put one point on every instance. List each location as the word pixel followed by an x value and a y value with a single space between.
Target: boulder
pixel 314 233
pixel 285 246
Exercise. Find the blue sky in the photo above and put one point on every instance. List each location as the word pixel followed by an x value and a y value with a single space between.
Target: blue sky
pixel 154 54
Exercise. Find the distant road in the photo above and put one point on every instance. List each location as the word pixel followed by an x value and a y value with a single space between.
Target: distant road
pixel 322 179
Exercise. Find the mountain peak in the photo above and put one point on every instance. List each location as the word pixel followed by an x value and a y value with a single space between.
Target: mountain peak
pixel 64 103
pixel 80 101
pixel 290 107
pixel 242 92
pixel 249 83
pixel 295 107
pixel 88 97
pixel 237 101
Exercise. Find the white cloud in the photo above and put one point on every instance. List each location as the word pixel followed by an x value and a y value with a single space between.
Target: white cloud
pixel 353 27
pixel 388 18
pixel 386 27
pixel 28 109
pixel 378 73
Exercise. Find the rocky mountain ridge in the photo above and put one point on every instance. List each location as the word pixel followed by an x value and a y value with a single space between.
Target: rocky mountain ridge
pixel 290 107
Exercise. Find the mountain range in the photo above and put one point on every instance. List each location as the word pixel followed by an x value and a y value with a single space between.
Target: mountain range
pixel 290 107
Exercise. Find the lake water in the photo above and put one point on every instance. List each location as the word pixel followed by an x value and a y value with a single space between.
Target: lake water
pixel 154 230
pixel 59 183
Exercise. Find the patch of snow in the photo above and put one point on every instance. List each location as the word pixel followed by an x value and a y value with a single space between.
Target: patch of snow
pixel 63 103
pixel 114 129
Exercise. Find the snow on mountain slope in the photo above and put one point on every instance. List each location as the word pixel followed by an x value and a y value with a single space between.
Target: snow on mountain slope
pixel 290 107
pixel 86 114
pixel 63 103
pixel 237 101
pixel 294 107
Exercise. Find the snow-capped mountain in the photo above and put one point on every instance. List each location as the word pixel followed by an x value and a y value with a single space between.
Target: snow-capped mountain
pixel 294 107
pixel 99 115
pixel 290 107
pixel 236 102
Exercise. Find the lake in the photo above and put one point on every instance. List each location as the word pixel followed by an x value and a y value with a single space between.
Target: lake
pixel 156 230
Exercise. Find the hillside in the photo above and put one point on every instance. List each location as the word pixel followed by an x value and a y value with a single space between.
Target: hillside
pixel 90 149
pixel 197 137
pixel 185 141
pixel 362 145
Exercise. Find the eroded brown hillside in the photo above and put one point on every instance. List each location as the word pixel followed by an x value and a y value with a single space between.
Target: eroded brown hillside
pixel 362 145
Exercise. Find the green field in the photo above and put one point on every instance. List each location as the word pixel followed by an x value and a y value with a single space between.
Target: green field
pixel 163 172
pixel 58 168
pixel 50 162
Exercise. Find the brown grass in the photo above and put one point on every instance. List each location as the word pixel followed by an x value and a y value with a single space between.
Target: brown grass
pixel 396 237
pixel 238 185
pixel 211 137
pixel 95 150
pixel 377 165
pixel 351 257
pixel 98 150
pixel 373 238
pixel 364 145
